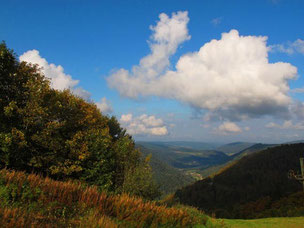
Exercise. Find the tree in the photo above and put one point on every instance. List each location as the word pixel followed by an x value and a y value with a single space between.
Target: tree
pixel 58 134
pixel 141 177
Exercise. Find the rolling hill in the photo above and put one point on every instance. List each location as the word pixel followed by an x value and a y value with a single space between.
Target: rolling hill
pixel 255 180
pixel 233 148
pixel 213 170
pixel 167 177
pixel 184 157
pixel 186 144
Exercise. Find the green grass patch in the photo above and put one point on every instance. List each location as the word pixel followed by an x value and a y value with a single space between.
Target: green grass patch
pixel 289 222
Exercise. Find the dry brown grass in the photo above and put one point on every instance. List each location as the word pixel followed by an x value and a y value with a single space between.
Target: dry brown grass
pixel 92 208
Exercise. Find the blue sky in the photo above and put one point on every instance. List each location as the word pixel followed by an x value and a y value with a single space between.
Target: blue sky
pixel 260 101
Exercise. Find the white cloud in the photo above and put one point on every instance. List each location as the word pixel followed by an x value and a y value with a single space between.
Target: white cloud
pixel 59 80
pixel 286 125
pixel 230 77
pixel 282 48
pixel 126 118
pixel 290 47
pixel 167 35
pixel 299 46
pixel 227 128
pixel 143 125
pixel 104 106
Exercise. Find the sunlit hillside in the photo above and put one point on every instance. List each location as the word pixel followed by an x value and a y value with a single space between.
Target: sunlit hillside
pixel 30 200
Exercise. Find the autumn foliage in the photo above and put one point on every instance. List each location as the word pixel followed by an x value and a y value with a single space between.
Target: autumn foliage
pixel 60 135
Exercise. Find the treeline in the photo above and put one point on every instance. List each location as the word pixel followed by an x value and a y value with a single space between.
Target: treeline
pixel 60 135
pixel 289 206
pixel 252 187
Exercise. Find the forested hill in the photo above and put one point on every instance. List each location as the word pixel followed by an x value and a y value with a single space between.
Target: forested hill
pixel 260 176
pixel 213 170
pixel 167 177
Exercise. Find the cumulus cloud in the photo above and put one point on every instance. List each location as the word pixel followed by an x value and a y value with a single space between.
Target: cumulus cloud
pixel 143 125
pixel 289 48
pixel 59 80
pixel 286 125
pixel 230 77
pixel 167 35
pixel 227 128
pixel 127 118
pixel 104 106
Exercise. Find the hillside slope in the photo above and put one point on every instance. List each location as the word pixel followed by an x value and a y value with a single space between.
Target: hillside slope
pixel 167 177
pixel 213 170
pixel 254 177
pixel 176 164
pixel 33 201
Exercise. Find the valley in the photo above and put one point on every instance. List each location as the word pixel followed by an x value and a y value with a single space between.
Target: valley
pixel 182 163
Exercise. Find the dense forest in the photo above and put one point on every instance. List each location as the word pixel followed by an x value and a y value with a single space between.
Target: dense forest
pixel 168 178
pixel 253 187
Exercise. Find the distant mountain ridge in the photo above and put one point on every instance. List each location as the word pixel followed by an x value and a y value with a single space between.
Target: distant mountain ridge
pixel 294 142
pixel 186 144
pixel 235 147
pixel 182 157
pixel 176 164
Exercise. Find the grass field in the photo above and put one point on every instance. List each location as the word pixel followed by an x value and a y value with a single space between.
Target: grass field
pixel 296 222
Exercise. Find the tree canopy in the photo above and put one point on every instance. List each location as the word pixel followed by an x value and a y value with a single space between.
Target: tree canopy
pixel 61 135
